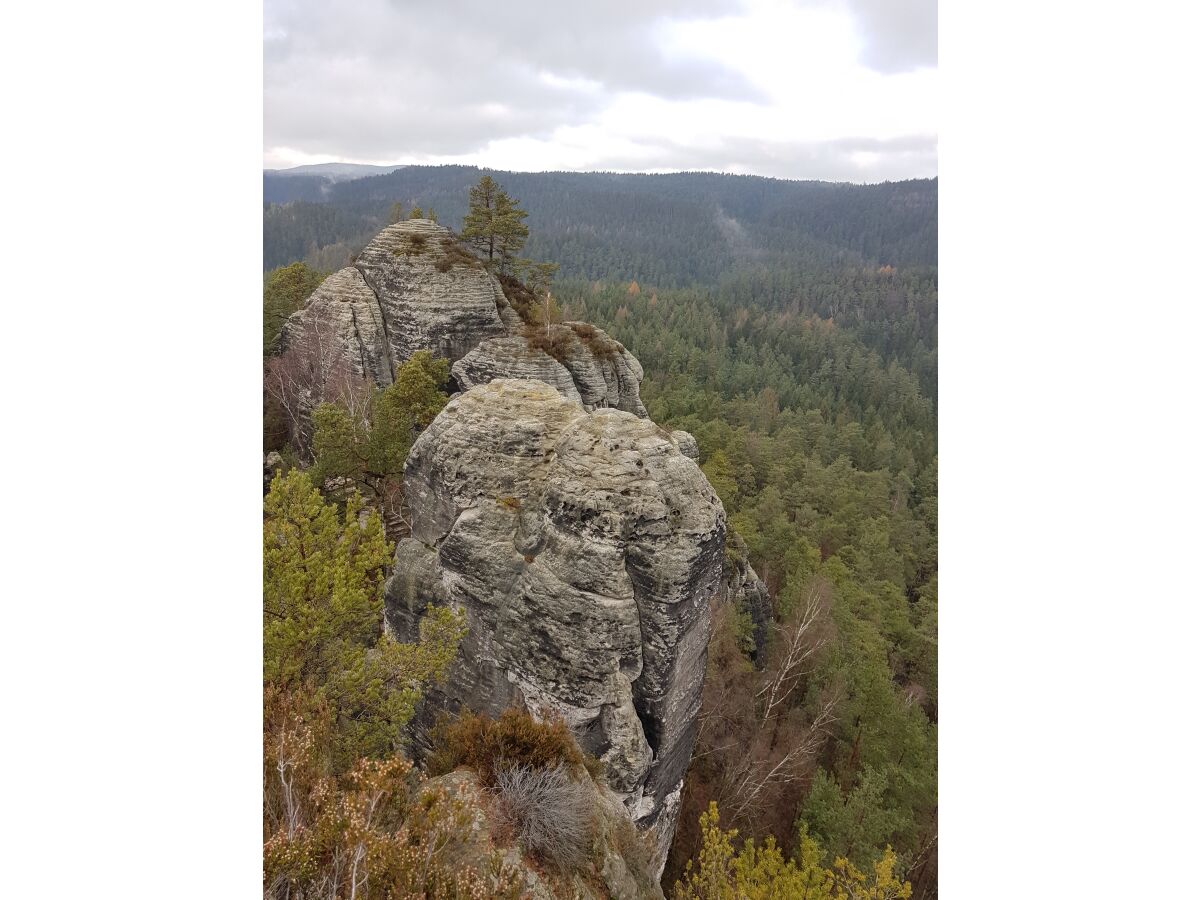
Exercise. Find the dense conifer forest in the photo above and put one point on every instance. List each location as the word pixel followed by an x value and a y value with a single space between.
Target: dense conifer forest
pixel 791 327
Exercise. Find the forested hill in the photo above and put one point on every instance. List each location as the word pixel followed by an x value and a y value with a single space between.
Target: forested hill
pixel 791 329
pixel 666 230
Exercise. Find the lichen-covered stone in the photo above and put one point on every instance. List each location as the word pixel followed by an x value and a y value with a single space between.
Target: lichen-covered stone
pixel 584 548
pixel 610 379
pixel 686 443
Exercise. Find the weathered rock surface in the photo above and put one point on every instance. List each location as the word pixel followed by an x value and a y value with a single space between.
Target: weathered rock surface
pixel 686 443
pixel 584 548
pixel 598 380
pixel 512 357
pixel 609 379
pixel 344 308
pixel 414 287
pixel 448 312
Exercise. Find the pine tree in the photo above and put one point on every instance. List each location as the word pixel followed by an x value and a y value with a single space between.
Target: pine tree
pixel 324 647
pixel 495 224
pixel 284 291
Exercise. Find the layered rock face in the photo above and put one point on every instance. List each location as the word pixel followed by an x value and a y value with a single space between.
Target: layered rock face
pixel 585 548
pixel 446 312
pixel 344 308
pixel 597 380
pixel 414 287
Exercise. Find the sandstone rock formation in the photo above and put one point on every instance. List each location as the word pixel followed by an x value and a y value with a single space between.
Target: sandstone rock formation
pixel 597 378
pixel 581 539
pixel 585 548
pixel 415 287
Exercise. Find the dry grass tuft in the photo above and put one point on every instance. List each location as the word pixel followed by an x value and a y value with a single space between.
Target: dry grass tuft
pixel 411 245
pixel 551 812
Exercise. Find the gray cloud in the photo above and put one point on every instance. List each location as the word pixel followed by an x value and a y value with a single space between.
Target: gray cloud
pixel 386 80
pixel 378 79
pixel 913 156
pixel 898 35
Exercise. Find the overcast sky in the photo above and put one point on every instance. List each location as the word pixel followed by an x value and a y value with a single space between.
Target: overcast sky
pixel 842 90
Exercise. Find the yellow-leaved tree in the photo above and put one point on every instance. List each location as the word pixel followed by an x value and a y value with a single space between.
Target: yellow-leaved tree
pixel 721 872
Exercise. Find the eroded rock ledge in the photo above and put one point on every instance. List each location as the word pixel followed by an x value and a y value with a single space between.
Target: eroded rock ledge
pixel 585 548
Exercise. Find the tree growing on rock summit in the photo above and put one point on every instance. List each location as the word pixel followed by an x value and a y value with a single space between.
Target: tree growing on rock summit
pixel 495 224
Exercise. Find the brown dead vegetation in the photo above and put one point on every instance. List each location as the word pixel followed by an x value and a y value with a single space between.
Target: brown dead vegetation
pixel 556 341
pixel 600 344
pixel 520 298
pixel 455 254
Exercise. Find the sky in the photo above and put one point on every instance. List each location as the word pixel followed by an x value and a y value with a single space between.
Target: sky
pixel 837 90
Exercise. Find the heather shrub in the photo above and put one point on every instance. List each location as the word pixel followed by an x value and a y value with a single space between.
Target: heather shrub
pixel 600 345
pixel 555 341
pixel 489 745
pixel 550 810
pixel 519 297
pixel 455 254
pixel 378 832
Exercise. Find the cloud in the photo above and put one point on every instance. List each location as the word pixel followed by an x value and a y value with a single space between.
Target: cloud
pixel 385 79
pixel 897 35
pixel 858 159
pixel 832 89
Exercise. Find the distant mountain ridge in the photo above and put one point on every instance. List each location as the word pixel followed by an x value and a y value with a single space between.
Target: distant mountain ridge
pixel 665 230
pixel 333 171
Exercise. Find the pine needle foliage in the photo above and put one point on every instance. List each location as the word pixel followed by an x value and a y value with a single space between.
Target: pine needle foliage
pixel 753 872
pixel 323 640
